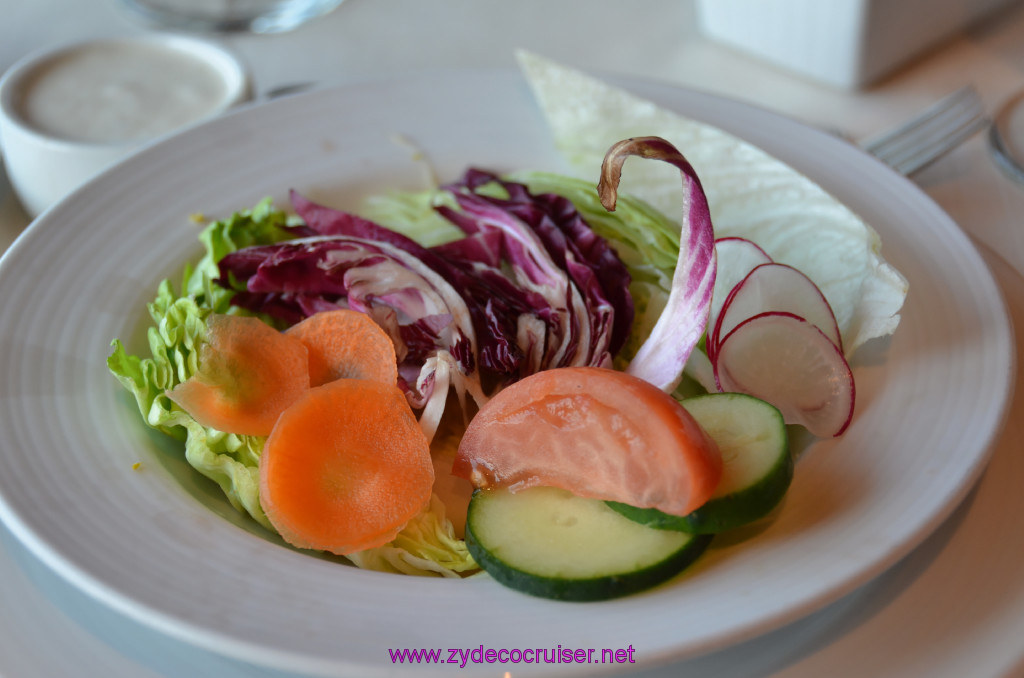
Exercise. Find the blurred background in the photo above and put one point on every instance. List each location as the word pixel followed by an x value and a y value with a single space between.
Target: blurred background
pixel 930 53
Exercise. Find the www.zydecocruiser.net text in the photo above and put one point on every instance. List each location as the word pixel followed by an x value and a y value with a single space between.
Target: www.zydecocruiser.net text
pixel 463 656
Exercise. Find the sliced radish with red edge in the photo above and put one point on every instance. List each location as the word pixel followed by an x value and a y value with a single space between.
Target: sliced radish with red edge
pixel 737 257
pixel 784 359
pixel 778 288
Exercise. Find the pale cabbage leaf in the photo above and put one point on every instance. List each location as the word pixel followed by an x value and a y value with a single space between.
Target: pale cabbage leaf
pixel 751 193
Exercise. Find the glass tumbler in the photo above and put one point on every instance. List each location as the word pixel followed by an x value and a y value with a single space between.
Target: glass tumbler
pixel 255 16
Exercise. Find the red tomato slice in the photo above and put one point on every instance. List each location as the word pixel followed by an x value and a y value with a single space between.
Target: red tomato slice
pixel 595 432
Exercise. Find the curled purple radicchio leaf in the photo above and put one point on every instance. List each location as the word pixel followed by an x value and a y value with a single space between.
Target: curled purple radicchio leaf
pixel 663 355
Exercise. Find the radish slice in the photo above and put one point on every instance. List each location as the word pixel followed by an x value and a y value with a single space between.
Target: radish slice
pixel 775 288
pixel 663 355
pixel 787 361
pixel 737 257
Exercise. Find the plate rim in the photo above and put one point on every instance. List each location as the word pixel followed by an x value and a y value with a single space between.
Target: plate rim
pixel 57 560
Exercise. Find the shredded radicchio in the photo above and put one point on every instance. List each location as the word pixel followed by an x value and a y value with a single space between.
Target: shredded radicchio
pixel 530 287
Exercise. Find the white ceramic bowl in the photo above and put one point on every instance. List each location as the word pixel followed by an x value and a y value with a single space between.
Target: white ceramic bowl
pixel 44 165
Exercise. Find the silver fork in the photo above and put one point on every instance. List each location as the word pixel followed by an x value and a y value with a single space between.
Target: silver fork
pixel 913 145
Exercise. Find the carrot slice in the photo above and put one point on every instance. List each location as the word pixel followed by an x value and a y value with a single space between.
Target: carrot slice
pixel 346 344
pixel 345 468
pixel 595 432
pixel 248 374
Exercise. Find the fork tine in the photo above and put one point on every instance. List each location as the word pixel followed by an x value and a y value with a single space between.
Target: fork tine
pixel 937 109
pixel 930 136
pixel 939 146
pixel 933 133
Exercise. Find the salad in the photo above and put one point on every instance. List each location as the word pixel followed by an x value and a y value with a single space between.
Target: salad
pixel 523 374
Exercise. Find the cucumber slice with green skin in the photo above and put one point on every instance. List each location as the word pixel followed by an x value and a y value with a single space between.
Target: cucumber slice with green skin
pixel 550 543
pixel 757 470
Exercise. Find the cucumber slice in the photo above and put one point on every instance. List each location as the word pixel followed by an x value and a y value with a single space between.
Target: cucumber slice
pixel 550 543
pixel 757 470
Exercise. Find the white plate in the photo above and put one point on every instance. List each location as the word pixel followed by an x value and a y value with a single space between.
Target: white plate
pixel 162 547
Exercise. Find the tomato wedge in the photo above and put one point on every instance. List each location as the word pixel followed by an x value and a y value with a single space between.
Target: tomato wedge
pixel 595 432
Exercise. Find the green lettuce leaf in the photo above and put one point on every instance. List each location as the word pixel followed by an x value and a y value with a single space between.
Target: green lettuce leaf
pixel 229 460
pixel 426 546
pixel 175 339
pixel 412 213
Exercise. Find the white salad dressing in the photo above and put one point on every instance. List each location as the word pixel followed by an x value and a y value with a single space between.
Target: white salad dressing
pixel 120 92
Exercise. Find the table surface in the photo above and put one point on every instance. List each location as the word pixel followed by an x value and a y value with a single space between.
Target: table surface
pixel 954 607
